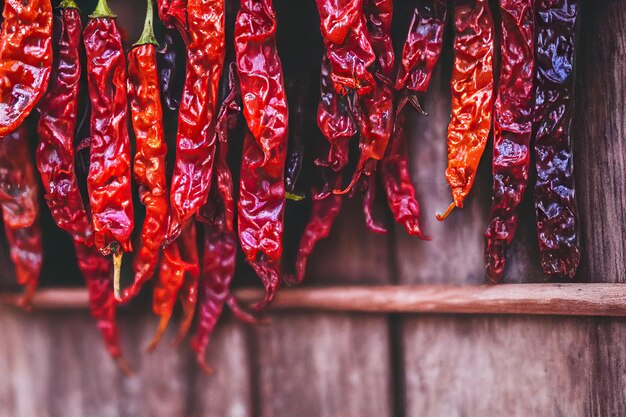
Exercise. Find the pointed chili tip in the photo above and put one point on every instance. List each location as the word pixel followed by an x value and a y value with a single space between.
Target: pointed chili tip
pixel 159 333
pixel 355 179
pixel 124 366
pixel 201 361
pixel 117 266
pixel 442 217
pixel 27 297
pixel 68 4
pixel 102 10
pixel 147 35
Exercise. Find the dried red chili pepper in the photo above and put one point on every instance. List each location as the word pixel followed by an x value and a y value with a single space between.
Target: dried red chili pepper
pixel 334 120
pixel 262 190
pixel 195 141
pixel 472 96
pixel 149 163
pixel 349 50
pixel 109 179
pixel 555 203
pixel 513 119
pixel 220 245
pixel 55 159
pixel 56 127
pixel 298 87
pixel 173 13
pixel 25 59
pixel 422 46
pixel 19 197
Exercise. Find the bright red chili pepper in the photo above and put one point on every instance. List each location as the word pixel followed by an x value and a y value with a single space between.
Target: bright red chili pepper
pixel 472 96
pixel 19 198
pixel 195 141
pixel 555 194
pixel 25 59
pixel 262 190
pixel 188 293
pixel 173 13
pixel 348 48
pixel 149 166
pixel 109 180
pixel 513 119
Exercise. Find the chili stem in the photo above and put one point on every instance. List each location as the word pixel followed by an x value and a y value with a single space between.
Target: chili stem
pixel 147 36
pixel 117 265
pixel 68 4
pixel 442 217
pixel 102 10
pixel 293 196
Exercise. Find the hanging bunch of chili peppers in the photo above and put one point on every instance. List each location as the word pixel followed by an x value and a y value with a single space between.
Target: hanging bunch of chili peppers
pixel 195 215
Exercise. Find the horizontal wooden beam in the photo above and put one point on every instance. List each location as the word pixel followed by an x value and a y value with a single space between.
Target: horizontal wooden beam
pixel 537 299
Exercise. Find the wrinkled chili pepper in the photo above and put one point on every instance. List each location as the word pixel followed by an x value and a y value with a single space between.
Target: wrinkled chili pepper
pixel 195 141
pixel 420 53
pixel 342 25
pixel 25 59
pixel 262 188
pixel 220 245
pixel 472 96
pixel 334 120
pixel 513 119
pixel 149 163
pixel 19 198
pixel 422 46
pixel 109 179
pixel 173 13
pixel 555 203
pixel 167 70
pixel 55 159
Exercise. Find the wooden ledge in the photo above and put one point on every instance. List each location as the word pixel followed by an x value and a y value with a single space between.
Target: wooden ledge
pixel 537 299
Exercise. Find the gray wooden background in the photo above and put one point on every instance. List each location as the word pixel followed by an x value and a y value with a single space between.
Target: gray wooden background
pixel 359 365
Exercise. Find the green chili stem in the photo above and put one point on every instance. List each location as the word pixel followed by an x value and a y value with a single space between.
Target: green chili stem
pixel 102 10
pixel 68 4
pixel 147 36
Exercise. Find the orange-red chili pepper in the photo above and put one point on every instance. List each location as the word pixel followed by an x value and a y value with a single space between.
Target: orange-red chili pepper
pixel 19 198
pixel 472 96
pixel 188 293
pixel 109 180
pixel 262 187
pixel 195 141
pixel 149 166
pixel 513 122
pixel 25 59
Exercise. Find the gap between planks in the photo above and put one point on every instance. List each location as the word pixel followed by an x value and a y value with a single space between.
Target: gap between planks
pixel 535 299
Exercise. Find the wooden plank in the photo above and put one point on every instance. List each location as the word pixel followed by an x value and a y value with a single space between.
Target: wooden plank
pixel 601 164
pixel 533 299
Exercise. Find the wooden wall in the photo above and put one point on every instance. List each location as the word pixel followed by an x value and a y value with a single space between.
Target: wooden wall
pixel 358 365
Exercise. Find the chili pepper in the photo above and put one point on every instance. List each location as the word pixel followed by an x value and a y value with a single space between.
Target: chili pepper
pixel 555 203
pixel 149 166
pixel 513 114
pixel 378 15
pixel 25 59
pixel 167 70
pixel 195 141
pixel 109 180
pixel 19 197
pixel 369 196
pixel 334 120
pixel 219 253
pixel 55 159
pixel 472 96
pixel 56 126
pixel 422 47
pixel 262 188
pixel 349 50
pixel 188 294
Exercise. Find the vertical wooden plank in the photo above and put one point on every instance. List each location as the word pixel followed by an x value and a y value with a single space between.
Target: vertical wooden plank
pixel 601 155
